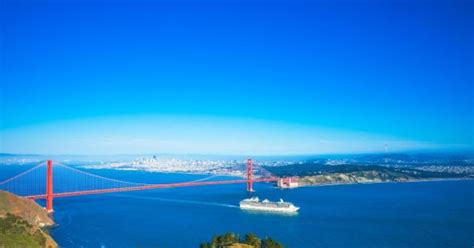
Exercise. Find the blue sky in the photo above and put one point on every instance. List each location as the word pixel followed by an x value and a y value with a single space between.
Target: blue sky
pixel 236 77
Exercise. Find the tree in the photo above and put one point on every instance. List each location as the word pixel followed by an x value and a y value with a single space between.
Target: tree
pixel 229 239
pixel 252 239
pixel 270 243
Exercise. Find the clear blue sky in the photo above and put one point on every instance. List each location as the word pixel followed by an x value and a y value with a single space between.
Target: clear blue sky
pixel 250 77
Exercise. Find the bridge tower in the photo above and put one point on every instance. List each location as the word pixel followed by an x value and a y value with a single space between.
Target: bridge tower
pixel 49 186
pixel 249 175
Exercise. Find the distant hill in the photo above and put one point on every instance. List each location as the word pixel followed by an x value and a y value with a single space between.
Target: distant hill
pixel 416 158
pixel 389 156
pixel 385 172
pixel 22 222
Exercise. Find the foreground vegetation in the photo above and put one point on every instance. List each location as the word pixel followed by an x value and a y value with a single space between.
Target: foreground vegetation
pixel 17 232
pixel 22 223
pixel 232 240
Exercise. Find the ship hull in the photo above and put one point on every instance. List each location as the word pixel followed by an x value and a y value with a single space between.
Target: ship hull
pixel 267 209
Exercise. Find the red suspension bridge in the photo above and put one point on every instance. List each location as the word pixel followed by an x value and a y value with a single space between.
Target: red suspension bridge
pixel 37 182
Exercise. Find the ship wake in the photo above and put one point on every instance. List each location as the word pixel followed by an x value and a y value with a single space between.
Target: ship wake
pixel 216 204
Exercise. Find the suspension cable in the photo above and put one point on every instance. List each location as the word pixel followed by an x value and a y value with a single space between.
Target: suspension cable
pixel 21 174
pixel 100 177
pixel 121 181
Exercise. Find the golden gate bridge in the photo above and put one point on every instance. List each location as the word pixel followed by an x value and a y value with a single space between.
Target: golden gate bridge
pixel 37 182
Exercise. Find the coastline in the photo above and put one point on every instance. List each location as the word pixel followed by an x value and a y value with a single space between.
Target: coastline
pixel 386 182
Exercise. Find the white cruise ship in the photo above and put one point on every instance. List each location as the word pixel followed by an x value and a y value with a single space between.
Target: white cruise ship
pixel 255 204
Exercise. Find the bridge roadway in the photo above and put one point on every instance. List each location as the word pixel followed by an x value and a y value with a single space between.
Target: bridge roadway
pixel 151 186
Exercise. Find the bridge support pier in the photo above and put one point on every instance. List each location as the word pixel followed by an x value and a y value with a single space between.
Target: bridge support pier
pixel 49 186
pixel 249 175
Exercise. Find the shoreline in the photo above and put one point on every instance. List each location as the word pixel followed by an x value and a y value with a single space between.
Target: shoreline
pixel 386 182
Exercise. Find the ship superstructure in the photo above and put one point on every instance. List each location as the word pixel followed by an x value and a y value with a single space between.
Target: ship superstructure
pixel 255 204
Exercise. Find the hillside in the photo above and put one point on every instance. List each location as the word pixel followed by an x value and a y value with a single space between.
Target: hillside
pixel 354 177
pixel 320 174
pixel 22 222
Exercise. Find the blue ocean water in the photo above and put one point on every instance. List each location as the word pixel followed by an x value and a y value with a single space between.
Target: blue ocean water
pixel 424 214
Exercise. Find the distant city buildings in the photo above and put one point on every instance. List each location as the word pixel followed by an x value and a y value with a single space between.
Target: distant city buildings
pixel 233 167
pixel 154 164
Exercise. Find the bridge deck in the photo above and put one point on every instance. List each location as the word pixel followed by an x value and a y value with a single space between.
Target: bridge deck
pixel 147 187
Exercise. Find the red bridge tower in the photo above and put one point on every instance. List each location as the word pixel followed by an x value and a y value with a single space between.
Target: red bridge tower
pixel 249 175
pixel 49 187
